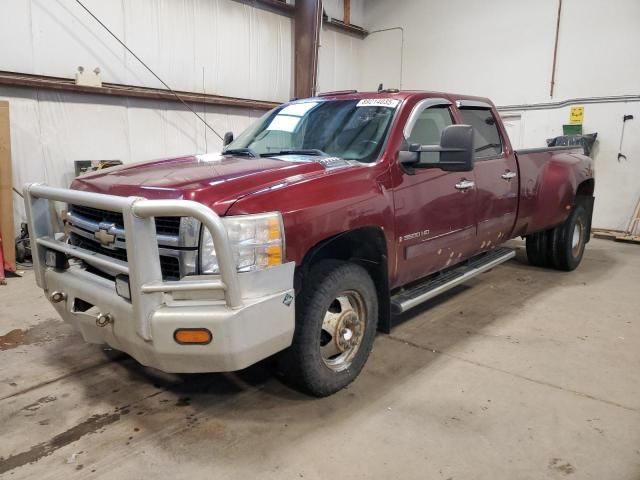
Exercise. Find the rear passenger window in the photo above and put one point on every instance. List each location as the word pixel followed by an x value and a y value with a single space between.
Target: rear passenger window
pixel 428 129
pixel 486 137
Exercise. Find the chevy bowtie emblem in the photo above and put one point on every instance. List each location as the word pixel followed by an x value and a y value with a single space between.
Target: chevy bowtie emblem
pixel 104 237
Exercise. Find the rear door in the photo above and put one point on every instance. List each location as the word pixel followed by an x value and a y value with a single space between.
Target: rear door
pixel 434 210
pixel 496 174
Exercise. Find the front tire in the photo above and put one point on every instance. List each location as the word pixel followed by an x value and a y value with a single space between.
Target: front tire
pixel 336 320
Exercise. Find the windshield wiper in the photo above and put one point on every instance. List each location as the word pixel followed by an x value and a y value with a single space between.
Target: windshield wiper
pixel 308 151
pixel 241 151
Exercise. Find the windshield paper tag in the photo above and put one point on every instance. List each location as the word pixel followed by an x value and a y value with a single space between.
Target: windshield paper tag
pixel 378 102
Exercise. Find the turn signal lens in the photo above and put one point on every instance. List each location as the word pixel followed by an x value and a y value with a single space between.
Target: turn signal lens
pixel 274 229
pixel 274 255
pixel 192 336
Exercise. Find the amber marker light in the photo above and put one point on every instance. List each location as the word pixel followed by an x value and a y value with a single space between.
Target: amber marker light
pixel 192 336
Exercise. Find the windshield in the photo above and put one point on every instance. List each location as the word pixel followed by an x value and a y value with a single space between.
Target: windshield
pixel 349 129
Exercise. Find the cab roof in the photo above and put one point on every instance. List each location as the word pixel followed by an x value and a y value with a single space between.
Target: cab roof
pixel 393 93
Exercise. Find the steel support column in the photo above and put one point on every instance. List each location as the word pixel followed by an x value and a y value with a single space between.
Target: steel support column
pixel 308 18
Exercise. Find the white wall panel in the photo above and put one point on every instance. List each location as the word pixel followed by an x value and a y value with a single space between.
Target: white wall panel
pixel 232 72
pixel 142 121
pixel 504 49
pixel 340 61
pixel 269 58
pixel 50 130
pixel 64 37
pixel 27 150
pixel 501 49
pixel 16 38
pixel 598 48
pixel 78 127
pixel 160 32
pixel 382 60
pixel 218 46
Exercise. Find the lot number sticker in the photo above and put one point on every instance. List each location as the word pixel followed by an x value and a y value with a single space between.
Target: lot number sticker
pixel 378 102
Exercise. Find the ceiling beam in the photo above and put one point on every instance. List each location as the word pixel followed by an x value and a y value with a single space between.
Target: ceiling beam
pixel 344 28
pixel 14 79
pixel 275 6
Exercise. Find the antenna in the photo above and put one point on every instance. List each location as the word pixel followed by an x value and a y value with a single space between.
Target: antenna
pixel 148 68
pixel 204 109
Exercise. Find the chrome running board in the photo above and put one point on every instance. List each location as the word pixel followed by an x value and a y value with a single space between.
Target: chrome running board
pixel 440 283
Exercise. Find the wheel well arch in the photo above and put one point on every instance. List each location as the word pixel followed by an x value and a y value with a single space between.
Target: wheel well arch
pixel 365 246
pixel 586 188
pixel 584 197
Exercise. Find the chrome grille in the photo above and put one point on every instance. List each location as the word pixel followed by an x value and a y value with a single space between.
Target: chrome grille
pixel 170 266
pixel 164 225
pixel 178 252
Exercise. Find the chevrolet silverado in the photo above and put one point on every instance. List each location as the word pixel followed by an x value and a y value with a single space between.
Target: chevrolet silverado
pixel 305 234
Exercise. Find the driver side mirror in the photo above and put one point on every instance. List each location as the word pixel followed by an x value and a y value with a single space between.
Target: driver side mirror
pixel 456 152
pixel 228 138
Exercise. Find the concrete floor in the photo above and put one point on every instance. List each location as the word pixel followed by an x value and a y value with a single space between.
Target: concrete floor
pixel 522 373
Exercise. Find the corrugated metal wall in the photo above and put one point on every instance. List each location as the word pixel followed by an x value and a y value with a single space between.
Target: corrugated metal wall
pixel 214 46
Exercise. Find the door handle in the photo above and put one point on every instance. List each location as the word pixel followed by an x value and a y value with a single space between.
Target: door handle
pixel 508 175
pixel 465 185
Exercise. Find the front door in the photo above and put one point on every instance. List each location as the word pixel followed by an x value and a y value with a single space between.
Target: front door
pixel 496 173
pixel 434 210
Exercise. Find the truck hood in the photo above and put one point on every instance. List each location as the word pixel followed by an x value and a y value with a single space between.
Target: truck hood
pixel 211 179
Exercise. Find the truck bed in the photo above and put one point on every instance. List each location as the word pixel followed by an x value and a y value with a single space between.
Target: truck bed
pixel 546 197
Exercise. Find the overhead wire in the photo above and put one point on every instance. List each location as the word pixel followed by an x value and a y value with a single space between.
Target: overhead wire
pixel 148 68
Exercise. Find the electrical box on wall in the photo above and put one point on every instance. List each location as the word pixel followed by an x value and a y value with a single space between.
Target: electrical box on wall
pixel 88 79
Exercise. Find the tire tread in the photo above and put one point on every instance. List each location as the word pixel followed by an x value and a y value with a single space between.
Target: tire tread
pixel 300 364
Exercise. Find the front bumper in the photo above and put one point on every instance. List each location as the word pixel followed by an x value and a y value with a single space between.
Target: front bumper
pixel 241 337
pixel 251 315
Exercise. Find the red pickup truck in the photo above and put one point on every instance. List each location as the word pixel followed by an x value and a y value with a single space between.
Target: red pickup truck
pixel 305 234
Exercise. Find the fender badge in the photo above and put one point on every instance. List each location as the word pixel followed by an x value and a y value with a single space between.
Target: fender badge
pixel 287 299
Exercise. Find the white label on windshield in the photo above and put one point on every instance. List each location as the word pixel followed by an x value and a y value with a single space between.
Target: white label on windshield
pixel 378 102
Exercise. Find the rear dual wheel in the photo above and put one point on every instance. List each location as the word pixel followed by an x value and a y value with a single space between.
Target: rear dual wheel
pixel 561 247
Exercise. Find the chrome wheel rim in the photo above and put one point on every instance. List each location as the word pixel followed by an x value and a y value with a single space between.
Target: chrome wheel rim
pixel 343 328
pixel 577 238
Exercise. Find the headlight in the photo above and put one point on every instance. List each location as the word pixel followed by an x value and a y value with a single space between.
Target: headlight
pixel 257 242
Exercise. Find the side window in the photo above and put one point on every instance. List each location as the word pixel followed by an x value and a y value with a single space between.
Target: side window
pixel 428 128
pixel 486 137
